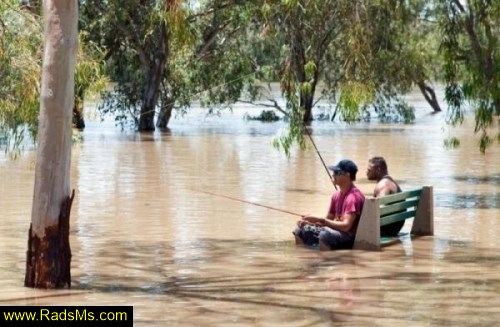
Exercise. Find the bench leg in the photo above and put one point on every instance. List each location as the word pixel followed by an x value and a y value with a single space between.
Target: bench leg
pixel 424 217
pixel 368 232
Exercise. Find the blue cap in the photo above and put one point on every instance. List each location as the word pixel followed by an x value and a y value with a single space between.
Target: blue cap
pixel 345 165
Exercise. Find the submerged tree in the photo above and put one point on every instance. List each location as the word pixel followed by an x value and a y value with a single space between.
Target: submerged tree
pixel 171 53
pixel 49 255
pixel 353 55
pixel 300 43
pixel 357 52
pixel 137 60
pixel 403 46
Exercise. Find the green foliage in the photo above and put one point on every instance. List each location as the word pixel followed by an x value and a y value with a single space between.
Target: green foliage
pixel 403 54
pixel 293 133
pixel 393 109
pixel 451 143
pixel 361 54
pixel 89 75
pixel 455 98
pixel 129 56
pixel 123 101
pixel 353 97
pixel 310 69
pixel 21 33
pixel 471 52
pixel 223 67
pixel 20 69
pixel 201 46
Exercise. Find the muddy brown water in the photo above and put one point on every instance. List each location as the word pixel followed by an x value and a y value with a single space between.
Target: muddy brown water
pixel 143 234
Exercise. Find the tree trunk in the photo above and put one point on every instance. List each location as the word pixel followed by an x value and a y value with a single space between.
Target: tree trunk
pixel 165 114
pixel 429 95
pixel 150 98
pixel 155 76
pixel 78 120
pixel 48 259
pixel 306 102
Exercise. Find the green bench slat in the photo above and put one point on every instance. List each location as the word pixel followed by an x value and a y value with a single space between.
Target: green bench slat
pixel 400 196
pixel 395 207
pixel 397 217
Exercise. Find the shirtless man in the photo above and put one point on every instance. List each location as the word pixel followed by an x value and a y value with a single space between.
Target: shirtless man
pixel 377 171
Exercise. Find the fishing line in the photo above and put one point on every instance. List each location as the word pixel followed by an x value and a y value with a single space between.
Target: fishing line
pixel 322 161
pixel 254 203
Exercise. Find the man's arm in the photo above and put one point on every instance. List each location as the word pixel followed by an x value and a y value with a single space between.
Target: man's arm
pixel 343 225
pixel 385 187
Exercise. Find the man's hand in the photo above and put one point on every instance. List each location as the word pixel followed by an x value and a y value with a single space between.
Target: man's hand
pixel 314 220
pixel 302 223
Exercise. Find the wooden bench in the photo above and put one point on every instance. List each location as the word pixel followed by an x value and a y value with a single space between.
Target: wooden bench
pixel 377 212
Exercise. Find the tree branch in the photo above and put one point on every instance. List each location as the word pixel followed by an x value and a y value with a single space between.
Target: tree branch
pixel 275 105
pixel 133 38
pixel 210 11
pixel 316 102
pixel 459 5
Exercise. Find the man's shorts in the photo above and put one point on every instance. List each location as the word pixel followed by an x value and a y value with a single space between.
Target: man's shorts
pixel 310 235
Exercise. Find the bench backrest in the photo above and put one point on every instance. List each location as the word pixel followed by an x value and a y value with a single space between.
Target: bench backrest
pixel 399 206
pixel 415 203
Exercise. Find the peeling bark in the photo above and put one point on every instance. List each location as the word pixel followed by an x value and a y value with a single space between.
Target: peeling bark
pixel 48 259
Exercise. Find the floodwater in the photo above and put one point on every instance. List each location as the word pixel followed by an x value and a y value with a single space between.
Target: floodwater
pixel 145 233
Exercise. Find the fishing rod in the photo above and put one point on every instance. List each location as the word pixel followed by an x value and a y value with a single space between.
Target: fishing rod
pixel 317 151
pixel 254 203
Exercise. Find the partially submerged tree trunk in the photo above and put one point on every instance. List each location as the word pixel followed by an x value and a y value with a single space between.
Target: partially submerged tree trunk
pixel 307 99
pixel 78 120
pixel 48 258
pixel 306 102
pixel 165 114
pixel 155 75
pixel 429 95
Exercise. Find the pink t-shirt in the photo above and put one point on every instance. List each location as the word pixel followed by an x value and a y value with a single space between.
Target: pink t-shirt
pixel 350 202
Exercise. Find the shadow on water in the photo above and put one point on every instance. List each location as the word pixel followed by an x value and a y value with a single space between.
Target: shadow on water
pixel 313 287
pixel 325 129
pixel 303 190
pixel 493 179
pixel 467 201
pixel 304 282
pixel 267 285
pixel 269 274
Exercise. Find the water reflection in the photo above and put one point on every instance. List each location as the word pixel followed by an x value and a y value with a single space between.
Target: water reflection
pixel 495 179
pixel 467 201
pixel 313 287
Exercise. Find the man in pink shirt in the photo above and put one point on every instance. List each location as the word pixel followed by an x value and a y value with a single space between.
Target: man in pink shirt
pixel 338 229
